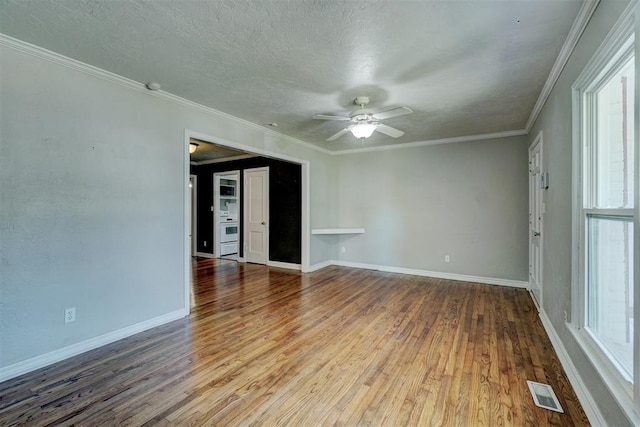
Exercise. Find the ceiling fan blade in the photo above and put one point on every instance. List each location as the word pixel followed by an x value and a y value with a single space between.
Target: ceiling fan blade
pixel 394 112
pixel 338 135
pixel 325 117
pixel 389 131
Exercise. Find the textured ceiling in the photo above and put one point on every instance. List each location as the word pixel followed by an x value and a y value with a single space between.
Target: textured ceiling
pixel 464 67
pixel 207 152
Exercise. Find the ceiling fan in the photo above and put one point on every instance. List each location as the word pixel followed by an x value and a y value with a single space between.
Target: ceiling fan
pixel 365 122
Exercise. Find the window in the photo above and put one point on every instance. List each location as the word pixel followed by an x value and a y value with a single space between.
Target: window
pixel 608 212
pixel 605 214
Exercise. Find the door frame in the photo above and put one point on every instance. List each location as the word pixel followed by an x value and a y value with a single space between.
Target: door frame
pixel 305 231
pixel 245 219
pixel 193 217
pixel 538 141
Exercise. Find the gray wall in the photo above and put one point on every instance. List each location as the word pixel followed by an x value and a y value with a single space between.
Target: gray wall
pixel 324 210
pixel 92 202
pixel 466 200
pixel 555 122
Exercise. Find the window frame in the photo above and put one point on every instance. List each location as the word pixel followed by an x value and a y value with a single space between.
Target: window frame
pixel 617 48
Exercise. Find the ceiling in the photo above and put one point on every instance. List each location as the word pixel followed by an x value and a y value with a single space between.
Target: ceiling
pixel 464 67
pixel 207 152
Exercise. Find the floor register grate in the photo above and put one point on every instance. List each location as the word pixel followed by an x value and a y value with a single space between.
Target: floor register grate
pixel 544 396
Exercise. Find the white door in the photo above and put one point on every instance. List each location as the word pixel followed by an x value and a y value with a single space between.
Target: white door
pixel 256 215
pixel 536 203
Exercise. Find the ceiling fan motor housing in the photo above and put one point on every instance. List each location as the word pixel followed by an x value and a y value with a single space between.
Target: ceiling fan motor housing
pixel 362 116
pixel 361 101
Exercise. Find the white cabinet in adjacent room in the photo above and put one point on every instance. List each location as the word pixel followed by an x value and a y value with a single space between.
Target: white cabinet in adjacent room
pixel 226 211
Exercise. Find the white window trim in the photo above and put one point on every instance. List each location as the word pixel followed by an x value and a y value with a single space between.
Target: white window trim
pixel 615 48
pixel 620 213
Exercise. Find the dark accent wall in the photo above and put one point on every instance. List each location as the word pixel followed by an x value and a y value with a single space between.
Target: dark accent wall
pixel 285 206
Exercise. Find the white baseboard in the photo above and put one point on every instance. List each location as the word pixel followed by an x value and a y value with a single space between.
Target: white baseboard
pixel 287 265
pixel 581 389
pixel 47 359
pixel 204 255
pixel 535 302
pixel 434 274
pixel 320 265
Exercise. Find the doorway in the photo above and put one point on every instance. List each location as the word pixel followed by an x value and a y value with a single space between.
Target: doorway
pixel 249 151
pixel 536 215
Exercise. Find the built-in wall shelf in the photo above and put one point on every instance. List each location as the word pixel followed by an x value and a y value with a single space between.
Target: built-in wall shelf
pixel 337 231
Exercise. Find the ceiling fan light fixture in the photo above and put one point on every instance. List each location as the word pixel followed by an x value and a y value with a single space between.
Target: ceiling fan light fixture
pixel 192 147
pixel 363 130
pixel 365 122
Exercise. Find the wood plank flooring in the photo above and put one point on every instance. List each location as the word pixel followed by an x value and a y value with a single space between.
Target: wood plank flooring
pixel 340 346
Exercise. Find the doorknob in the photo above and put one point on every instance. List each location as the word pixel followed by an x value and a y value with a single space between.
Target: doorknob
pixel 536 234
pixel 263 223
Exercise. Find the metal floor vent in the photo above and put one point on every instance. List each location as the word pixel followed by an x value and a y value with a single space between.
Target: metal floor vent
pixel 544 396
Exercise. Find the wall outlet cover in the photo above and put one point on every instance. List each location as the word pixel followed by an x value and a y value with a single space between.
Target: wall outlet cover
pixel 70 315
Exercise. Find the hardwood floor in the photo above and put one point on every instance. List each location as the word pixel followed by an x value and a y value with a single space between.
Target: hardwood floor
pixel 266 346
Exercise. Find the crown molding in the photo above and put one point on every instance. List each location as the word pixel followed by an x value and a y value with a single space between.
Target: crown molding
pixel 466 138
pixel 579 24
pixel 583 17
pixel 56 58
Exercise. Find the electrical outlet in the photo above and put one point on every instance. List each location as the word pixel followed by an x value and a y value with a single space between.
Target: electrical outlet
pixel 205 243
pixel 447 258
pixel 70 315
pixel 343 249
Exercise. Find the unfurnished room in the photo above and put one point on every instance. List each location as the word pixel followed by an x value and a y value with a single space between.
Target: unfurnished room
pixel 319 212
